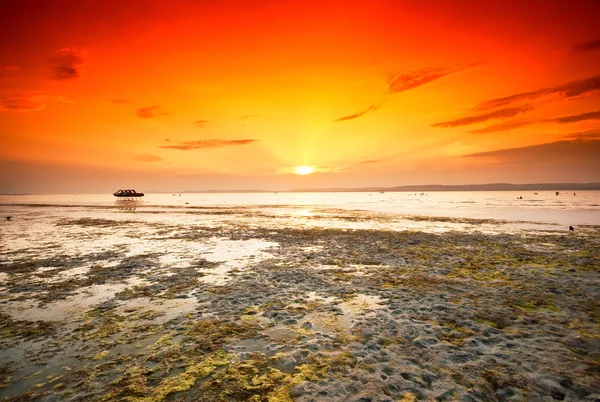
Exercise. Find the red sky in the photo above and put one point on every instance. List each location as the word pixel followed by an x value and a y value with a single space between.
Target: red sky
pixel 198 94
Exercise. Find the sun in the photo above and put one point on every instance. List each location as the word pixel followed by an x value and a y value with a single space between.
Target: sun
pixel 303 170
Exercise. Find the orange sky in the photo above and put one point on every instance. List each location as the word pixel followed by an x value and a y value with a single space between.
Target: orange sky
pixel 204 94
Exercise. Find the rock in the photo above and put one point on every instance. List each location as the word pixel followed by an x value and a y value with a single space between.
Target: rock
pixel 307 325
pixel 273 347
pixel 550 386
pixel 298 390
pixel 423 342
pixel 369 360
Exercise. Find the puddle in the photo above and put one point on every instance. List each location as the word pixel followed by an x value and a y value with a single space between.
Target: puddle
pixel 170 307
pixel 234 254
pixel 60 310
pixel 360 305
pixel 265 346
pixel 313 296
pixel 282 333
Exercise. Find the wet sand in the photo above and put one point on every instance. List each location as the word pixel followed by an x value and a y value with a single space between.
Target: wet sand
pixel 244 304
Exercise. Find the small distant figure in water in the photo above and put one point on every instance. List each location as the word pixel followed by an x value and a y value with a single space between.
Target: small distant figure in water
pixel 520 198
pixel 571 229
pixel 574 194
pixel 557 193
pixel 8 218
pixel 535 193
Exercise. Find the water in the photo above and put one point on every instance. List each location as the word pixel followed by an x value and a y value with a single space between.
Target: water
pixel 545 207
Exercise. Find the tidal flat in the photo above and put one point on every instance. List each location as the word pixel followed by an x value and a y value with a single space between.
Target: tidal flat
pixel 248 304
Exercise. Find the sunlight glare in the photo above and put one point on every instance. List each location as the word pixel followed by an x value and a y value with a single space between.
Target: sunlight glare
pixel 304 169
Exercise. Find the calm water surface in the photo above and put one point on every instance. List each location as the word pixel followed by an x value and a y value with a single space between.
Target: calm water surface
pixel 568 208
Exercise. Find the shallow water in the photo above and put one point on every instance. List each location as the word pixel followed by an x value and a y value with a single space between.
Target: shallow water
pixel 564 209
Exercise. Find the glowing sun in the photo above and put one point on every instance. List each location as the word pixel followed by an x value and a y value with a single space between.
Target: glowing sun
pixel 304 169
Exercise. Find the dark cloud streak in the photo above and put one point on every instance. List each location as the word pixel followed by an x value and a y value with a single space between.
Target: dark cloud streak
pixel 67 64
pixel 556 153
pixel 587 46
pixel 404 82
pixel 584 135
pixel 371 108
pixel 579 117
pixel 568 90
pixel 205 144
pixel 516 124
pixel 498 114
pixel 147 112
pixel 148 158
pixel 20 102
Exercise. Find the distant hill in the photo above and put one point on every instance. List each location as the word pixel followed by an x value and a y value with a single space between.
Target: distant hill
pixel 469 187
pixel 428 187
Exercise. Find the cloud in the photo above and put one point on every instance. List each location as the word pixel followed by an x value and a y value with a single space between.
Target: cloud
pixel 121 101
pixel 67 63
pixel 508 125
pixel 203 144
pixel 201 123
pixel 516 124
pixel 248 116
pixel 404 82
pixel 21 102
pixel 553 153
pixel 584 135
pixel 578 117
pixel 369 161
pixel 568 90
pixel 11 68
pixel 498 114
pixel 148 158
pixel 371 108
pixel 147 112
pixel 586 46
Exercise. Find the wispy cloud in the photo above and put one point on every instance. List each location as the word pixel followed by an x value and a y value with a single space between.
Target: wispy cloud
pixel 479 118
pixel 371 108
pixel 203 144
pixel 201 123
pixel 556 152
pixel 121 101
pixel 148 112
pixel 21 102
pixel 578 117
pixel 568 90
pixel 369 161
pixel 584 135
pixel 516 124
pixel 587 46
pixel 67 63
pixel 248 116
pixel 508 125
pixel 404 82
pixel 148 158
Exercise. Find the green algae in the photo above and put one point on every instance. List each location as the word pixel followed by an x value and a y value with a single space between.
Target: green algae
pixel 101 355
pixel 211 334
pixel 24 329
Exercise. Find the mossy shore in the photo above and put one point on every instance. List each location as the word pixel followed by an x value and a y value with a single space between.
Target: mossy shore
pixel 250 308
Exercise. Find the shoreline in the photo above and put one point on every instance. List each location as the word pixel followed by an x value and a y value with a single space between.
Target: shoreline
pixel 239 305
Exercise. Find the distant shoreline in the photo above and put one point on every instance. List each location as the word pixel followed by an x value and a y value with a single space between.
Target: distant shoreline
pixel 431 188
pixel 410 188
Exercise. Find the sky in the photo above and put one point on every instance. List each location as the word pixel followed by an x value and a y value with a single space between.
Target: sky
pixel 183 95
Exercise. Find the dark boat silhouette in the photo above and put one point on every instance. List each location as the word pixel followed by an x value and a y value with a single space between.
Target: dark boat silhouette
pixel 128 193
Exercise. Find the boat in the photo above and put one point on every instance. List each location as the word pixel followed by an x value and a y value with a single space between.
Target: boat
pixel 128 193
